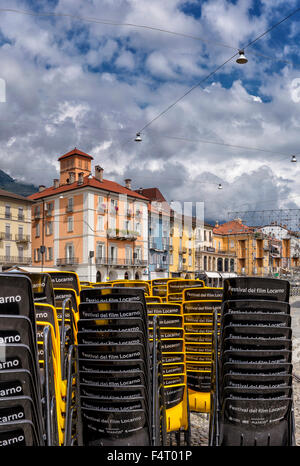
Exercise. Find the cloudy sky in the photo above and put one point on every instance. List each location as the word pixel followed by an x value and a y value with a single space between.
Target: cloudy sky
pixel 95 72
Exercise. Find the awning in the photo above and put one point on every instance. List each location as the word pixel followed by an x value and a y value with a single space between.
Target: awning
pixel 212 274
pixel 228 274
pixel 30 269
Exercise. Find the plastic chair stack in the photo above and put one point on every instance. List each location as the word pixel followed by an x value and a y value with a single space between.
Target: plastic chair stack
pixel 24 419
pixel 115 371
pixel 252 393
pixel 170 324
pixel 198 308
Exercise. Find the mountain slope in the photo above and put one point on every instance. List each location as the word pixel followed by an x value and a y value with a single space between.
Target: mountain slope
pixel 17 187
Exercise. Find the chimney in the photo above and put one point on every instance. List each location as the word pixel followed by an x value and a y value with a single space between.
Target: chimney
pixel 128 183
pixel 80 178
pixel 239 220
pixel 217 224
pixel 56 183
pixel 99 173
pixel 41 188
pixel 71 177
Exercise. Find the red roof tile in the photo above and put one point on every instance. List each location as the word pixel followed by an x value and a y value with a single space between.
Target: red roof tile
pixel 234 227
pixel 106 185
pixel 75 151
pixel 153 194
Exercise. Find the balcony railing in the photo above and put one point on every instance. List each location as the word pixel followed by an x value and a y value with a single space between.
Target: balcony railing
pixel 22 238
pixel 120 262
pixel 4 235
pixel 122 234
pixel 14 260
pixel 67 261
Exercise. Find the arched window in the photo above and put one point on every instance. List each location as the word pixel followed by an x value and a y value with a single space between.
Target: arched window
pixel 220 265
pixel 231 265
pixel 137 276
pixel 226 265
pixel 126 275
pixel 98 276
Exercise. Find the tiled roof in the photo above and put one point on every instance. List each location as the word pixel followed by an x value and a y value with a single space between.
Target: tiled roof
pixel 234 227
pixel 75 151
pixel 105 185
pixel 4 193
pixel 153 194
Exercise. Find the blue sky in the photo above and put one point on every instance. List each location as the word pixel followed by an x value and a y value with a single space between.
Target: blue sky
pixel 72 82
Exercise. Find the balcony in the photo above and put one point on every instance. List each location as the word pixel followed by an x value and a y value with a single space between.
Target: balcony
pixel 69 208
pixel 15 260
pixel 115 262
pixel 4 235
pixel 122 234
pixel 102 209
pixel 161 267
pixel 67 261
pixel 22 238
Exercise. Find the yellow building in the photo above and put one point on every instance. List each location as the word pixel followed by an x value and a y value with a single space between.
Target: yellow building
pixel 182 246
pixel 15 229
pixel 249 245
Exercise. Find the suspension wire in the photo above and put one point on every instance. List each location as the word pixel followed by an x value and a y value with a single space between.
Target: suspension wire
pixel 217 69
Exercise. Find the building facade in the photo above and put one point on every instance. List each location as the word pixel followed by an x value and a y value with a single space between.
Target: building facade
pixel 15 230
pixel 158 233
pixel 182 245
pixel 93 226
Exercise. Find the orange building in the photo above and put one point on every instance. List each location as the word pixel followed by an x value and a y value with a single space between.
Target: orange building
pixel 93 226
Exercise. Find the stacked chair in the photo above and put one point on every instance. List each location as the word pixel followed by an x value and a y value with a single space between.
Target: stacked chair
pixel 133 284
pixel 27 410
pixel 119 379
pixel 175 288
pixel 198 307
pixel 252 398
pixel 61 335
pixel 169 321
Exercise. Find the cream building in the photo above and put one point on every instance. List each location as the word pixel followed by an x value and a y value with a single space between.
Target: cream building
pixel 15 230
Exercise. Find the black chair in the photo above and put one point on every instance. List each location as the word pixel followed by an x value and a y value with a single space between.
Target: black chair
pixel 252 368
pixel 114 362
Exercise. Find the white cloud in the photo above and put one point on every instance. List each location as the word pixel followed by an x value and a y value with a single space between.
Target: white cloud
pixel 56 100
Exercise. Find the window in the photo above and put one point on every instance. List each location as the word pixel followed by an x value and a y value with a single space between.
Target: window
pixel 112 223
pixel 70 205
pixel 50 253
pixel 138 228
pixel 20 232
pixel 113 254
pixel 190 261
pixel 37 230
pixel 7 252
pixel 114 206
pixel 7 211
pixel 138 253
pixel 7 231
pixel 20 213
pixel 128 255
pixel 70 224
pixel 204 235
pixel 100 251
pixel 49 228
pixel 100 223
pixel 69 251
